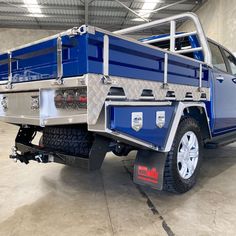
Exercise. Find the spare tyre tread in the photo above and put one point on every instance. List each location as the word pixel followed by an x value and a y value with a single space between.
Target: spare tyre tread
pixel 76 141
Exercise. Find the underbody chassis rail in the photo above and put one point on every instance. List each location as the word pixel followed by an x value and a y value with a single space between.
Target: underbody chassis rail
pixel 24 151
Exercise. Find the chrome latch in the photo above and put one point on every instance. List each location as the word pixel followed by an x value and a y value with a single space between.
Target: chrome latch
pixel 4 103
pixel 35 103
pixel 106 79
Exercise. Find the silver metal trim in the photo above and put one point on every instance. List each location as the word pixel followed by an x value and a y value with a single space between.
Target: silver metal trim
pixel 172 35
pixel 200 77
pixel 20 120
pixel 142 43
pixel 45 84
pixel 106 55
pixel 116 97
pixel 133 89
pixel 18 108
pixel 189 50
pixel 130 139
pixel 165 82
pixel 191 16
pixel 74 119
pixel 138 103
pixel 168 37
pixel 59 61
pixel 178 114
pixel 81 118
pixel 9 83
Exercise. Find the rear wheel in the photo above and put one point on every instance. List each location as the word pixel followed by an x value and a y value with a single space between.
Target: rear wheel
pixel 184 160
pixel 71 140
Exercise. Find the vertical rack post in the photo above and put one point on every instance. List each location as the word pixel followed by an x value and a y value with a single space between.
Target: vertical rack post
pixel 106 56
pixel 200 78
pixel 172 35
pixel 59 61
pixel 9 84
pixel 106 79
pixel 165 82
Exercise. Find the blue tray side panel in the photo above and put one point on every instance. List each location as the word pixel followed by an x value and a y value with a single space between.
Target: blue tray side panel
pixel 39 61
pixel 83 54
pixel 132 60
pixel 120 120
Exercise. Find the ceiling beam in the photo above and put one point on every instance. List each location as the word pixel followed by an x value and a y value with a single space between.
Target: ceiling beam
pixel 74 7
pixel 60 26
pixel 80 17
pixel 91 10
pixel 132 11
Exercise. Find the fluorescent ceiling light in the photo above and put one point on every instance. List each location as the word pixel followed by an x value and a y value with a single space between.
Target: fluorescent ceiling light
pixel 148 6
pixel 137 19
pixel 33 7
pixel 36 15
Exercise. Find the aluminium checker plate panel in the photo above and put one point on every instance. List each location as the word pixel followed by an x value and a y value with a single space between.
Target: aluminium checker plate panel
pixel 133 88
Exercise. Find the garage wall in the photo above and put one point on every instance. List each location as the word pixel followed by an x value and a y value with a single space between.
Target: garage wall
pixel 11 38
pixel 219 22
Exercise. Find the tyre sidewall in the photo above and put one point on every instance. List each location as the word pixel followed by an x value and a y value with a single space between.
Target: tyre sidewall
pixel 182 185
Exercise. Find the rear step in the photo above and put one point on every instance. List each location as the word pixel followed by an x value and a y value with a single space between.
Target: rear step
pixel 220 142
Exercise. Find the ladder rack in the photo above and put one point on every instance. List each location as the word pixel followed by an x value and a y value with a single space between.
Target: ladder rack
pixel 173 36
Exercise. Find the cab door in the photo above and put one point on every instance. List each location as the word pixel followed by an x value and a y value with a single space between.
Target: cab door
pixel 223 89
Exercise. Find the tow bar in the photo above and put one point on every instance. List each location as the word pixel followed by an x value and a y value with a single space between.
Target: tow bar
pixel 40 157
pixel 24 151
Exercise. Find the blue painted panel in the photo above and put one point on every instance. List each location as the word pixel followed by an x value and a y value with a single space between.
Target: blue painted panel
pixel 4 66
pixel 120 120
pixel 223 105
pixel 128 59
pixel 84 54
pixel 39 61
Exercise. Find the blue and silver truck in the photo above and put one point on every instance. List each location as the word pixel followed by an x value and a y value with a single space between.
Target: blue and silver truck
pixel 90 91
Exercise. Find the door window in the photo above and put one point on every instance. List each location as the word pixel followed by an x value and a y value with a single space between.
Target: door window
pixel 232 61
pixel 217 57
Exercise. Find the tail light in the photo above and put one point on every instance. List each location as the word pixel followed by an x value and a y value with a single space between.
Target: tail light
pixel 70 99
pixel 59 100
pixel 81 100
pixel 73 98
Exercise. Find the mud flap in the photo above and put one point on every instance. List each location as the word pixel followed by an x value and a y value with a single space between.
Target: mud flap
pixel 149 168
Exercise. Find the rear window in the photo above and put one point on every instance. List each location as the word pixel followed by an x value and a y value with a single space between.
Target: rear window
pixel 180 44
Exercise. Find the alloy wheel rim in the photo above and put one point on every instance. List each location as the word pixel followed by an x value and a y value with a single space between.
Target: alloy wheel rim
pixel 188 155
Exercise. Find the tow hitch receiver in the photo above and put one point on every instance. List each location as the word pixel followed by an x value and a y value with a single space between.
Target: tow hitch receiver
pixel 149 168
pixel 38 156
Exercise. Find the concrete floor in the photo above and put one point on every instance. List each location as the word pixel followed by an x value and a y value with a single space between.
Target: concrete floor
pixel 53 199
